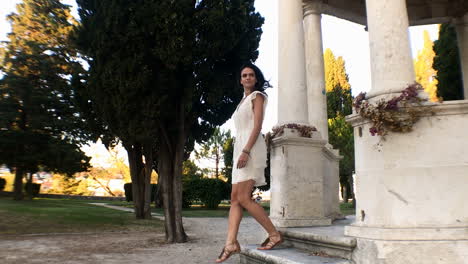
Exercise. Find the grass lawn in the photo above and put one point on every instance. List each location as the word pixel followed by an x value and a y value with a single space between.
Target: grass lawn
pixel 196 210
pixel 347 209
pixel 223 209
pixel 63 216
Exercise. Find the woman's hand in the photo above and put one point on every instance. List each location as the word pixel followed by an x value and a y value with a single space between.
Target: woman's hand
pixel 242 161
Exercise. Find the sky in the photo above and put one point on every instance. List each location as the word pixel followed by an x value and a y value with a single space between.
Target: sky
pixel 344 38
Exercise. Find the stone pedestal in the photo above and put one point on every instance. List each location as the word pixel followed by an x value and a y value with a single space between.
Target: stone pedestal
pixel 412 190
pixel 304 180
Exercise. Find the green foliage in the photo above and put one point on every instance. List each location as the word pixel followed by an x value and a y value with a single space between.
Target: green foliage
pixel 339 104
pixel 212 192
pixel 208 191
pixel 228 153
pixel 190 191
pixel 340 135
pixel 447 64
pixel 68 216
pixel 36 188
pixel 190 169
pixel 190 174
pixel 213 150
pixel 2 184
pixel 338 89
pixel 174 55
pixel 129 192
pixel 39 123
pixel 164 75
pixel 267 186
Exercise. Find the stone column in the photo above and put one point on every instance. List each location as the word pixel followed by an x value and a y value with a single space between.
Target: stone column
pixel 292 89
pixel 391 62
pixel 462 36
pixel 409 187
pixel 316 95
pixel 303 169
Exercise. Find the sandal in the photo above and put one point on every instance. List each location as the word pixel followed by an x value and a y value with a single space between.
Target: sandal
pixel 269 245
pixel 225 253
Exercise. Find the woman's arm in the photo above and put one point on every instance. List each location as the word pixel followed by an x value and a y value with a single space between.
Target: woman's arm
pixel 258 120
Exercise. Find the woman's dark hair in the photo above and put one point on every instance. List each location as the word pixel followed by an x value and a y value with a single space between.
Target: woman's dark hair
pixel 261 84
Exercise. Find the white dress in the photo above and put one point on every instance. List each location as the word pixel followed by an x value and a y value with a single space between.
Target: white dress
pixel 244 122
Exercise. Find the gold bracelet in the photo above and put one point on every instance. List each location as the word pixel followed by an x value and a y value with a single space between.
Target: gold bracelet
pixel 246 152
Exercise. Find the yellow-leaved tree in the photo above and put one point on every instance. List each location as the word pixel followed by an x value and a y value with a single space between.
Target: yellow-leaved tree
pixel 425 74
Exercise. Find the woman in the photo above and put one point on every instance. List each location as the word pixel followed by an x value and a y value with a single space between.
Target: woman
pixel 250 161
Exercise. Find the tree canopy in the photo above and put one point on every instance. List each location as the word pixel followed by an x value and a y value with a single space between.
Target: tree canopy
pixel 163 76
pixel 39 123
pixel 425 74
pixel 339 104
pixel 212 150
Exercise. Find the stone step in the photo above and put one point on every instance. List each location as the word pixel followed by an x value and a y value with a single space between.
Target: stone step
pixel 341 247
pixel 283 255
pixel 327 240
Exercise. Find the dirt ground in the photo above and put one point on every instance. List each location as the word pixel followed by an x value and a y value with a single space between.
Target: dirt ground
pixel 207 237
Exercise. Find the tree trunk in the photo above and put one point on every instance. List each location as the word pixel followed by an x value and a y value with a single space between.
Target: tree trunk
pixel 141 188
pixel 18 185
pixel 148 169
pixel 171 186
pixel 180 234
pixel 170 163
pixel 29 190
pixel 217 162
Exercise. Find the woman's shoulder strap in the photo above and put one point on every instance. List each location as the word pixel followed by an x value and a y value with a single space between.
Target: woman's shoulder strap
pixel 254 94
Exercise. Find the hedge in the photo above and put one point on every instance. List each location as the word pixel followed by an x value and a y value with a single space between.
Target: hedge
pixel 210 192
pixel 129 193
pixel 2 184
pixel 36 188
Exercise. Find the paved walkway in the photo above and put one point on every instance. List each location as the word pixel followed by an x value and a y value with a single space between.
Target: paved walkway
pixel 126 209
pixel 206 238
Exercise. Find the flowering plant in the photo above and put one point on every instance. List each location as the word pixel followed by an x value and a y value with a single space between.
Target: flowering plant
pixel 304 130
pixel 398 114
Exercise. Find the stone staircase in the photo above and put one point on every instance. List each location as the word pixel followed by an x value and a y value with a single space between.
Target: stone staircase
pixel 308 245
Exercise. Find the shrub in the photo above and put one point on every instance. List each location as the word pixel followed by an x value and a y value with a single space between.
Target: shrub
pixel 190 191
pixel 209 191
pixel 129 193
pixel 35 188
pixel 2 184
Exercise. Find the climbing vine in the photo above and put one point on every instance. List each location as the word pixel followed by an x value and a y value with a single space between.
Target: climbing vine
pixel 398 114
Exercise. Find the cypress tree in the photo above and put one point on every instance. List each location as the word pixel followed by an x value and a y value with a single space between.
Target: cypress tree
pixel 163 76
pixel 447 64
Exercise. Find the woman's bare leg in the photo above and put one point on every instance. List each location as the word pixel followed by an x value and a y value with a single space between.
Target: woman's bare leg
pixel 244 194
pixel 235 216
pixel 241 198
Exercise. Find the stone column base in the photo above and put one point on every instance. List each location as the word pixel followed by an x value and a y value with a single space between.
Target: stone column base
pixel 304 180
pixel 278 222
pixel 409 245
pixel 411 190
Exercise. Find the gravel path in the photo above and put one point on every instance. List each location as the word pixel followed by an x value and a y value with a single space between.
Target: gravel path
pixel 206 235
